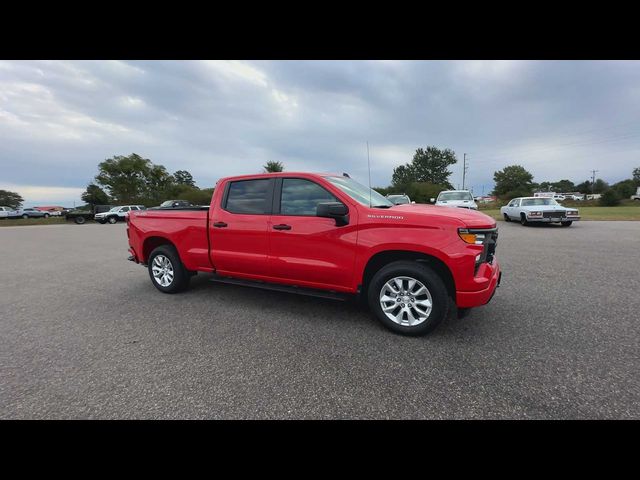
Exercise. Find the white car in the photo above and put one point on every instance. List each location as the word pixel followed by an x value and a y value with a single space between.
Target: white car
pixel 116 213
pixel 528 210
pixel 8 212
pixel 456 198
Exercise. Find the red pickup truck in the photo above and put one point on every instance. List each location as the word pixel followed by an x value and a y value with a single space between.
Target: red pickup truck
pixel 325 235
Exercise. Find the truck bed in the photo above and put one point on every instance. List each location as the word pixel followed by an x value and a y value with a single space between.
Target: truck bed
pixel 186 227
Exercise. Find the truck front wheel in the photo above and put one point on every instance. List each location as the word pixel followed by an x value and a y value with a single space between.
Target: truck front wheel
pixel 166 270
pixel 408 298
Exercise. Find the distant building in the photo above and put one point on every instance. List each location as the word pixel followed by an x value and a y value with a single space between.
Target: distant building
pixel 50 208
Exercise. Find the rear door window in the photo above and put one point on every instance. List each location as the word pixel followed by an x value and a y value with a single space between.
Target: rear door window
pixel 249 197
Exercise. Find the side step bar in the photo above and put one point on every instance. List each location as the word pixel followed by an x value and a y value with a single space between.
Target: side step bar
pixel 282 288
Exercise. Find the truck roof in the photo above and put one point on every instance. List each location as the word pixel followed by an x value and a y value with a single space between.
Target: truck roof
pixel 280 174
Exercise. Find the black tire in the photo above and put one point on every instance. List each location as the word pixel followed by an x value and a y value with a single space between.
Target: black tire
pixel 112 220
pixel 567 224
pixel 46 215
pixel 25 216
pixel 507 218
pixel 430 279
pixel 181 275
pixel 523 220
pixel 79 220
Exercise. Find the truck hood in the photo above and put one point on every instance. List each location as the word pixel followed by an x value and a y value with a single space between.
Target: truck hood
pixel 470 218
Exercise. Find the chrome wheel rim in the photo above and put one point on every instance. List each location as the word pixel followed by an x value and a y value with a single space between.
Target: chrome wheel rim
pixel 112 220
pixel 162 270
pixel 406 301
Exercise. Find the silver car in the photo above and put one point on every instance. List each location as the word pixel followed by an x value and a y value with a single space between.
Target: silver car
pixel 528 210
pixel 33 213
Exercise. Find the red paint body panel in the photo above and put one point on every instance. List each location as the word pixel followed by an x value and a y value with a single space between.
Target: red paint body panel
pixel 315 252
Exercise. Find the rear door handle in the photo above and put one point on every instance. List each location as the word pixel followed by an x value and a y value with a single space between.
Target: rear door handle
pixel 282 226
pixel 219 224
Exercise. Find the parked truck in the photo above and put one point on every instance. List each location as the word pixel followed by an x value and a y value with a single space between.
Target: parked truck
pixel 81 216
pixel 329 236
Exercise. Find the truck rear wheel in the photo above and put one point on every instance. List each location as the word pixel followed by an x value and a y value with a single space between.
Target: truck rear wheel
pixel 167 271
pixel 408 298
pixel 79 220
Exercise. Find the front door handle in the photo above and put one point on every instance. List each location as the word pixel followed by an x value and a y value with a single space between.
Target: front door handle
pixel 282 226
pixel 219 224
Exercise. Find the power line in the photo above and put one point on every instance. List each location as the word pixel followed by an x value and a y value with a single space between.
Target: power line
pixel 575 134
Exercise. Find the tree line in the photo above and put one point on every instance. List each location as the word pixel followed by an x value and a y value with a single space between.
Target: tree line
pixel 515 181
pixel 132 179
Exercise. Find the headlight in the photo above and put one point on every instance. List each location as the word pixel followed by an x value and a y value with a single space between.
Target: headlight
pixel 471 238
pixel 572 212
pixel 535 214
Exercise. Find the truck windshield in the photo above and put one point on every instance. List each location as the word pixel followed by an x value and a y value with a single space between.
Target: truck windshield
pixel 360 193
pixel 455 196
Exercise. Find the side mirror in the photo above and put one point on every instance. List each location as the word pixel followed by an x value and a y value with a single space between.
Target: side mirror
pixel 433 200
pixel 335 210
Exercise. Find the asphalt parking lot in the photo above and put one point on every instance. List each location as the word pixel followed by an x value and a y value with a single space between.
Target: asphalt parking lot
pixel 84 334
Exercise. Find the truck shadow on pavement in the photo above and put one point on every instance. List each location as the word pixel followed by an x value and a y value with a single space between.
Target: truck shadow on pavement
pixel 314 309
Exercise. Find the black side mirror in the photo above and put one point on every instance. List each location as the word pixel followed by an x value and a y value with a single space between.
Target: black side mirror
pixel 336 210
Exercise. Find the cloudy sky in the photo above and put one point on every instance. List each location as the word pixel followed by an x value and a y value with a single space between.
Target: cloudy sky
pixel 59 119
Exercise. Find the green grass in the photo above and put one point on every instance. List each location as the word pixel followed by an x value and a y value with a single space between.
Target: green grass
pixel 22 222
pixel 623 212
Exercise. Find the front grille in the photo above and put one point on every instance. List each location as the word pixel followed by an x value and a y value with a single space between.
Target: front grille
pixel 554 214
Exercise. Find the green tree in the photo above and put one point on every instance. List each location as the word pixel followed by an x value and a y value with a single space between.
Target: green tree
pixel 158 184
pixel 609 199
pixel 125 178
pixel 10 199
pixel 182 177
pixel 636 176
pixel 563 186
pixel 133 179
pixel 403 175
pixel 428 165
pixel 600 186
pixel 625 188
pixel 94 195
pixel 584 187
pixel 513 179
pixel 272 166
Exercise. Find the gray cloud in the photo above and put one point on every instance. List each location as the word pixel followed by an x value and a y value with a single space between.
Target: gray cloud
pixel 59 119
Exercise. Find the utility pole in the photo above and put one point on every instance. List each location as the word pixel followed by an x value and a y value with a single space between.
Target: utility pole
pixel 464 169
pixel 593 180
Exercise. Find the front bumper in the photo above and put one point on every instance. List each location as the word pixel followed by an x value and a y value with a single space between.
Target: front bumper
pixel 552 220
pixel 481 297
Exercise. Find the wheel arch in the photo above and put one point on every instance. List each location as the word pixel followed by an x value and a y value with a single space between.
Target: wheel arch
pixel 153 242
pixel 380 259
